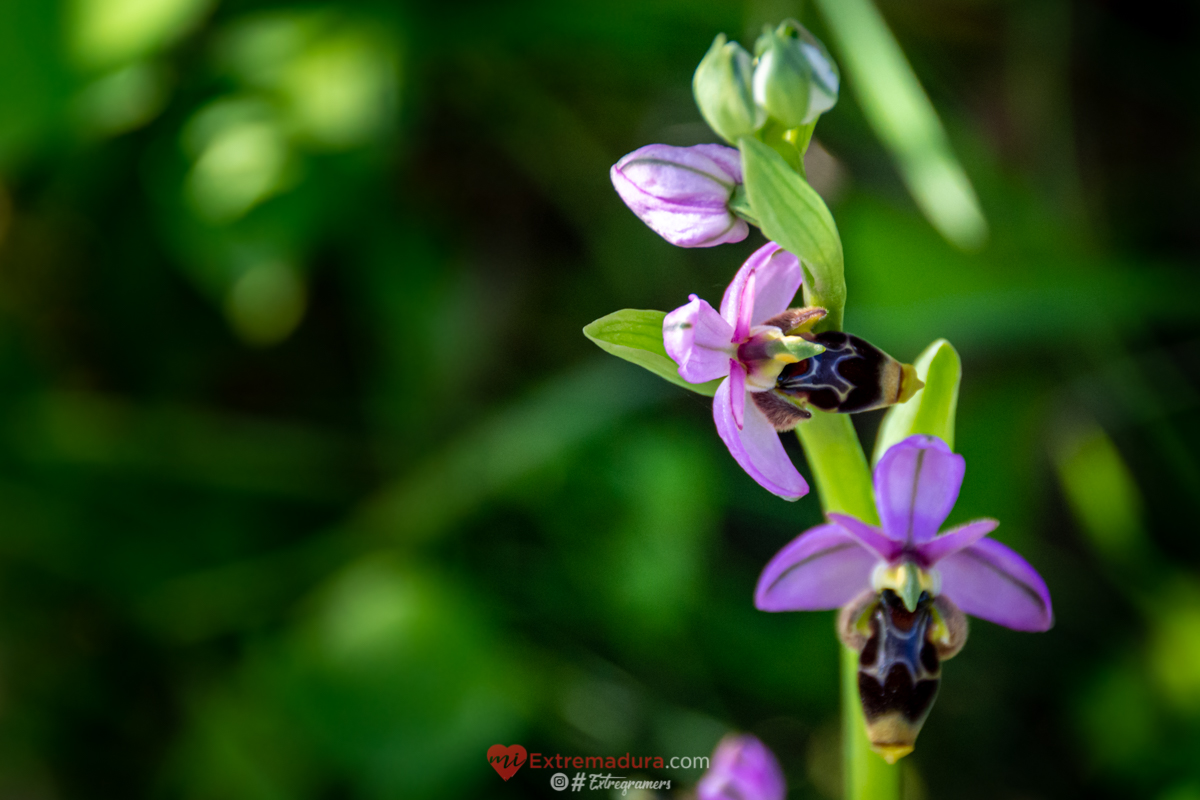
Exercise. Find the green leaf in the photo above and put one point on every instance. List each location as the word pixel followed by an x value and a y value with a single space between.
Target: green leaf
pixel 636 335
pixel 905 121
pixel 931 410
pixel 792 214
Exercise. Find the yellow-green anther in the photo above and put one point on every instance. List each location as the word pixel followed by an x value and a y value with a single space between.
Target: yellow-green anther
pixel 907 580
pixel 768 351
pixel 798 348
pixel 910 590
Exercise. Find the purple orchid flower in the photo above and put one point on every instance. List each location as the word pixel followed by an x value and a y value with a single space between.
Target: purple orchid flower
pixel 683 193
pixel 916 484
pixel 741 345
pixel 743 768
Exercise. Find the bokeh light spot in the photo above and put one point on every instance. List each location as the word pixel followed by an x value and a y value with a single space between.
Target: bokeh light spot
pixel 266 303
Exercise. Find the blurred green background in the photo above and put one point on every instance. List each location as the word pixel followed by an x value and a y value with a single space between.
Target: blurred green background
pixel 310 486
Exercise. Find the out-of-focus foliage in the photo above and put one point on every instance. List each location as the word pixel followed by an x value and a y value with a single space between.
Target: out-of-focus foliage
pixel 311 487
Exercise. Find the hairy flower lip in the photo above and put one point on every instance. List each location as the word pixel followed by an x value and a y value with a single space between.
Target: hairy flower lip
pixel 916 484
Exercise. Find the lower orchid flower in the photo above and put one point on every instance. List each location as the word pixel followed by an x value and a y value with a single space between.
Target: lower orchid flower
pixel 746 345
pixel 903 587
pixel 743 768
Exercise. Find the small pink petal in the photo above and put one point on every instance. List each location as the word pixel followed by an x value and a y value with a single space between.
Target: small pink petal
pixel 824 567
pixel 756 446
pixel 745 306
pixel 916 485
pixel 991 581
pixel 737 392
pixel 697 339
pixel 777 279
pixel 955 539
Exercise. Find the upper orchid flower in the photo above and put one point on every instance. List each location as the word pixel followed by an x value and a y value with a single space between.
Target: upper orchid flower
pixel 742 769
pixel 903 587
pixel 683 193
pixel 741 345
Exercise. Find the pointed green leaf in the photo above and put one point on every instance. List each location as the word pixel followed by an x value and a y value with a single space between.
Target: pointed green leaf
pixel 636 335
pixel 792 214
pixel 905 121
pixel 931 410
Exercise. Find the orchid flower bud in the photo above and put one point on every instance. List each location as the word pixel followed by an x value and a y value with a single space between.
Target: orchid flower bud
pixel 795 79
pixel 723 93
pixel 683 193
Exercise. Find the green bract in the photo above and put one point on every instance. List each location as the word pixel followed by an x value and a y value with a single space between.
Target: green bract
pixel 790 212
pixel 637 336
pixel 723 93
pixel 931 410
pixel 795 79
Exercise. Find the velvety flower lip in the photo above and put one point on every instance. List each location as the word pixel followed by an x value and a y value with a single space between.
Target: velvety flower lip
pixel 916 485
pixel 707 345
pixel 683 193
pixel 742 768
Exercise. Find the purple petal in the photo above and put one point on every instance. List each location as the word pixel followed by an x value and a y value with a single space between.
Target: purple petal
pixel 991 581
pixel 737 393
pixel 742 769
pixel 682 193
pixel 777 278
pixel 868 536
pixel 756 446
pixel 824 567
pixel 916 484
pixel 698 340
pixel 955 539
pixel 684 174
pixel 727 159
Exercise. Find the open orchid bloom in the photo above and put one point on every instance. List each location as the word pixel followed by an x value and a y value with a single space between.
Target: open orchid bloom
pixel 683 193
pixel 741 345
pixel 743 768
pixel 903 587
pixel 916 484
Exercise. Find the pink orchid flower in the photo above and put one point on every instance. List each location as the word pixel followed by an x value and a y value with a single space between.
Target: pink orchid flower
pixel 741 345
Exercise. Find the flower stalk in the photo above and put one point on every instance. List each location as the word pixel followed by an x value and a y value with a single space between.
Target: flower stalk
pixel 843 479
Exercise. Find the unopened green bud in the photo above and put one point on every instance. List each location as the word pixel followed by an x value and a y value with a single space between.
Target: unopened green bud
pixel 723 93
pixel 795 80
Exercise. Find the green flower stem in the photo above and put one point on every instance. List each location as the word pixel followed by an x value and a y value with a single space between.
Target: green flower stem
pixel 843 480
pixel 838 464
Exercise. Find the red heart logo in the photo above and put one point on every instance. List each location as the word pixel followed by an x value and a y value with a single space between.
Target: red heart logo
pixel 506 760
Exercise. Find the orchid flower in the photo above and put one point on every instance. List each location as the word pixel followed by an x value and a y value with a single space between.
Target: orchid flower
pixel 683 193
pixel 743 768
pixel 916 484
pixel 743 345
pixel 904 588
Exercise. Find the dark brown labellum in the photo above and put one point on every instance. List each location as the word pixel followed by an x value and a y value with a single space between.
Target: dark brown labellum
pixel 852 375
pixel 898 674
pixel 899 662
